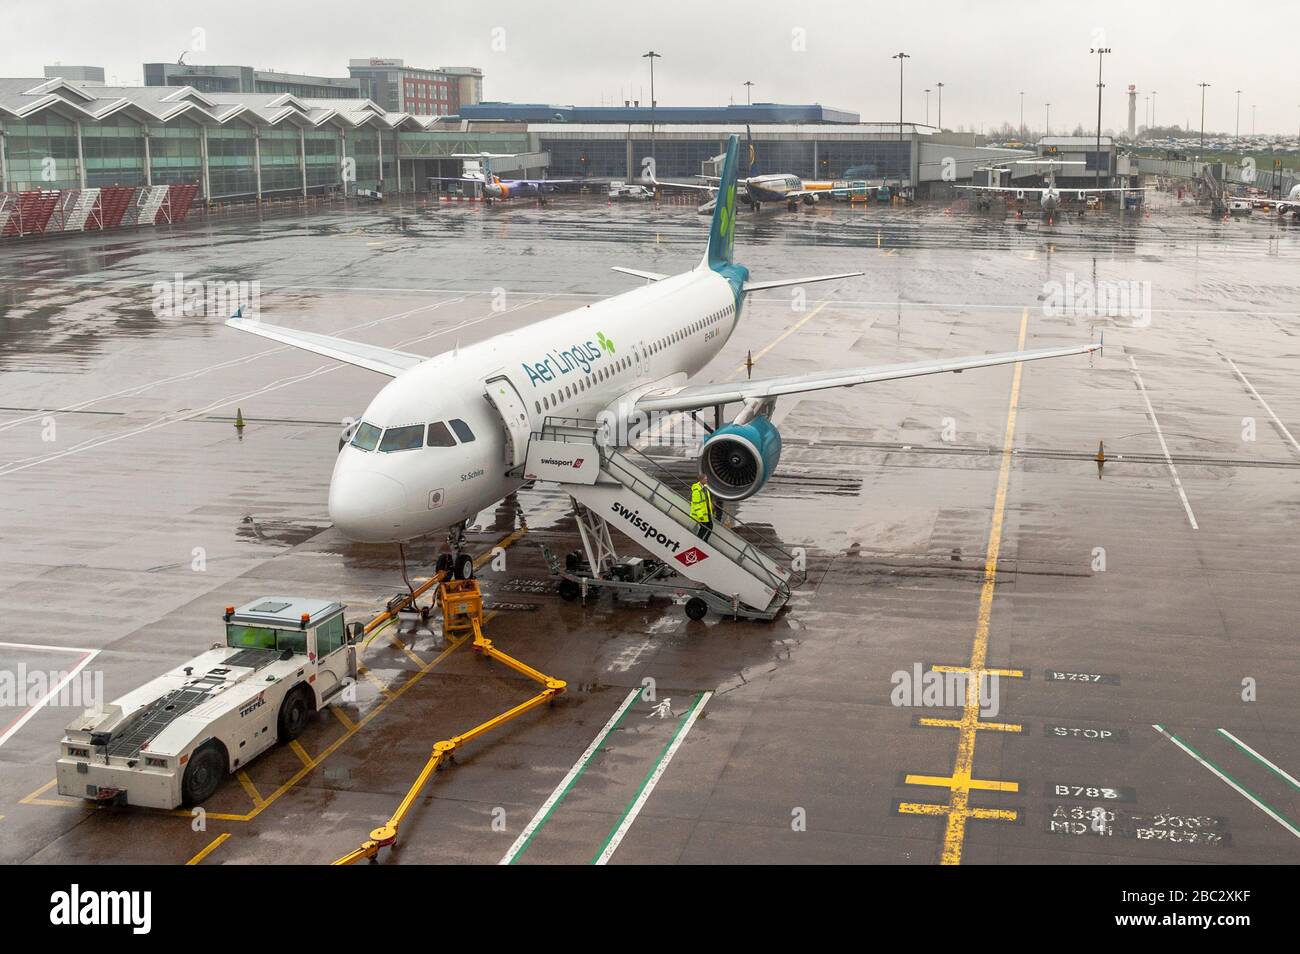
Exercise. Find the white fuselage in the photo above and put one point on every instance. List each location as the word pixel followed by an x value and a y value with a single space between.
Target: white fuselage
pixel 577 365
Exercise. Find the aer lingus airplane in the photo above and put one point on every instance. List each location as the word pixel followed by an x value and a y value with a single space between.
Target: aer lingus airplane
pixel 447 437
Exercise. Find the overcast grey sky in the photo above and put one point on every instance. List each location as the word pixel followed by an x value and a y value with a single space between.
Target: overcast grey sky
pixel 583 51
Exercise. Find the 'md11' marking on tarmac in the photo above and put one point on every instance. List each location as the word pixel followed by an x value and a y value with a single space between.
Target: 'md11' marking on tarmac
pixel 1085 733
pixel 1077 820
pixel 1095 678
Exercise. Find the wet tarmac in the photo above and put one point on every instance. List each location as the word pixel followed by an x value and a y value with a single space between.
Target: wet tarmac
pixel 1137 618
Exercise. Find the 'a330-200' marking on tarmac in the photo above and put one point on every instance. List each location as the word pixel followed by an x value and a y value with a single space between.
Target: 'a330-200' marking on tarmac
pixel 1085 733
pixel 1096 678
pixel 1084 820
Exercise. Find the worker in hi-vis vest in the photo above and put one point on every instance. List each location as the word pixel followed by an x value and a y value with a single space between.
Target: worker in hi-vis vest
pixel 702 507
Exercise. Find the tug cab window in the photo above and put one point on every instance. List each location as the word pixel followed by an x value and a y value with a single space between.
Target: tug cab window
pixel 462 430
pixel 366 437
pixel 439 436
pixel 406 437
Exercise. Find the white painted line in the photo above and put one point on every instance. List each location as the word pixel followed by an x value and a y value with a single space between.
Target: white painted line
pixel 1230 783
pixel 560 790
pixel 88 655
pixel 1286 775
pixel 617 837
pixel 1251 388
pixel 1173 471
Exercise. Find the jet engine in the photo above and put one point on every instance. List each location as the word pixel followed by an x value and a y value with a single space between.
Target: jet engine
pixel 738 459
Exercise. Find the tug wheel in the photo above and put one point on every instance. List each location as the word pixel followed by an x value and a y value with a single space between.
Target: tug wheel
pixel 696 608
pixel 294 712
pixel 568 590
pixel 203 773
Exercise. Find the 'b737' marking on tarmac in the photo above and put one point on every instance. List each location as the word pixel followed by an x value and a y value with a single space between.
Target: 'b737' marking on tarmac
pixel 1097 678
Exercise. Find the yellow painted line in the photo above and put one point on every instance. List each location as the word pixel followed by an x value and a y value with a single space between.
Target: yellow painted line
pixel 1009 673
pixel 211 847
pixel 249 787
pixel 410 654
pixel 375 681
pixel 299 751
pixel 958 723
pixel 342 717
pixel 785 334
pixel 941 781
pixel 31 799
pixel 959 809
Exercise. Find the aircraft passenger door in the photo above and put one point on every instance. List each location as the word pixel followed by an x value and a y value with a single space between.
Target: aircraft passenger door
pixel 514 418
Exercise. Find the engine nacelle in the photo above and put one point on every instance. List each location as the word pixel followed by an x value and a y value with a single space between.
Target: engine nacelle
pixel 738 459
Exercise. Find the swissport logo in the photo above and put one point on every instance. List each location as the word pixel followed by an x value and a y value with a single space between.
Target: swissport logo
pixel 691 557
pixel 578 463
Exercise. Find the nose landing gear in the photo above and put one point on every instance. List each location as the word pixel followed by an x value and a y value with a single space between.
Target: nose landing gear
pixel 457 563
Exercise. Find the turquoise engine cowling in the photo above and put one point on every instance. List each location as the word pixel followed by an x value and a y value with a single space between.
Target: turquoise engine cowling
pixel 738 459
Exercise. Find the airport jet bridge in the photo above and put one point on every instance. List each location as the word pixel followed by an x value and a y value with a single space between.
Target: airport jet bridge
pixel 730 574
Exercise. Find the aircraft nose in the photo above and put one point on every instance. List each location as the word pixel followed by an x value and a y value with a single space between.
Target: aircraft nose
pixel 367 506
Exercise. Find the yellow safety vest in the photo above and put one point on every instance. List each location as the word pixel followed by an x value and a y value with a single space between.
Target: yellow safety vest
pixel 701 503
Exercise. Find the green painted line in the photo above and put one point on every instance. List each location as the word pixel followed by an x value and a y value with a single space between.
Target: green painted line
pixel 597 747
pixel 686 720
pixel 1258 758
pixel 1250 796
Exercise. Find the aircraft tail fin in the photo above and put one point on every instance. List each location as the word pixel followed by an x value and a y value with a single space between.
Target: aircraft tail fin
pixel 722 229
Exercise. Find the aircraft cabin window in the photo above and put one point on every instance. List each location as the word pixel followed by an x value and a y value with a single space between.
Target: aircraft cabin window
pixel 366 437
pixel 462 430
pixel 537 406
pixel 439 436
pixel 402 438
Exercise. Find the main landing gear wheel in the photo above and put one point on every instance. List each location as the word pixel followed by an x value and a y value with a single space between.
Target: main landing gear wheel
pixel 464 565
pixel 696 608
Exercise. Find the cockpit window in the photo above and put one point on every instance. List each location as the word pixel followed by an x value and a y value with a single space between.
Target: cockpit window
pixel 402 438
pixel 462 430
pixel 439 436
pixel 366 437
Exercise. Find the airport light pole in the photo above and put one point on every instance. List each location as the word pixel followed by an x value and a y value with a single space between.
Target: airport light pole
pixel 1101 51
pixel 748 86
pixel 900 56
pixel 927 107
pixel 1153 106
pixel 1204 87
pixel 940 119
pixel 1049 121
pixel 1022 114
pixel 1236 136
pixel 652 56
pixel 1252 120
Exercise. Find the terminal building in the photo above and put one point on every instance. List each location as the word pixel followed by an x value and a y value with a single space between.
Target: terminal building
pixel 58 134
pixel 245 79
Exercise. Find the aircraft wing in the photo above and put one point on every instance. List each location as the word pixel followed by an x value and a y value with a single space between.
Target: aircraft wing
pixel 684 185
pixel 371 357
pixel 693 397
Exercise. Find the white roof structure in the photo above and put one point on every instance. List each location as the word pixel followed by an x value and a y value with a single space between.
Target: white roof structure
pixel 29 98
